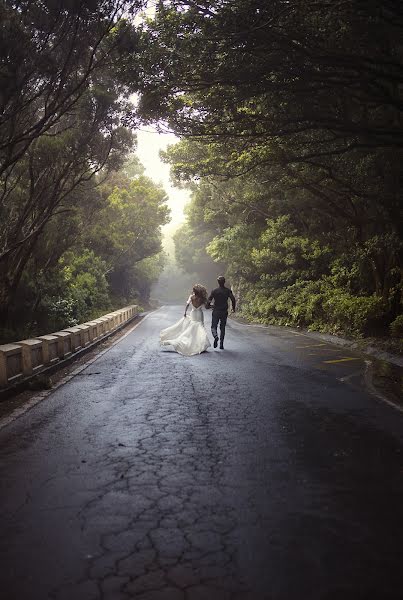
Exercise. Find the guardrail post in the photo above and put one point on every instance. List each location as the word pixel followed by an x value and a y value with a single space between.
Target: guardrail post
pixel 93 330
pixel 32 356
pixel 114 320
pixel 76 342
pixel 65 343
pixel 105 324
pixel 85 334
pixel 50 348
pixel 10 363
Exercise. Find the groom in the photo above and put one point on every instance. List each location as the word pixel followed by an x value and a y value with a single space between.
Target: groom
pixel 220 309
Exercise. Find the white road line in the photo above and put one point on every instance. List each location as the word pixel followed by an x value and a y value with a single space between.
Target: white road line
pixel 21 410
pixel 351 376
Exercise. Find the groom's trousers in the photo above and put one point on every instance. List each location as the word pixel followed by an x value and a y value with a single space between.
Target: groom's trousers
pixel 219 317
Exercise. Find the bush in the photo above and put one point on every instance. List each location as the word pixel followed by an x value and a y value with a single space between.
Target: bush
pixel 59 312
pixel 396 327
pixel 318 304
pixel 355 314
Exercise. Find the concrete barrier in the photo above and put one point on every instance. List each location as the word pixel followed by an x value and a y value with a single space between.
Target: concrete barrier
pixel 21 360
pixel 93 330
pixel 85 334
pixel 112 320
pixel 10 364
pixel 50 348
pixel 32 356
pixel 75 338
pixel 105 324
pixel 65 343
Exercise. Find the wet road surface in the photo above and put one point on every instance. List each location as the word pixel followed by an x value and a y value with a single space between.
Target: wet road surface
pixel 263 472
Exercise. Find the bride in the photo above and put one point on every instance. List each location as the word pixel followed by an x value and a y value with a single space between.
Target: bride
pixel 188 335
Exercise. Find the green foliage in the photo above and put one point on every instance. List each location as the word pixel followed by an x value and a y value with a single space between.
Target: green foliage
pixel 64 110
pixel 101 255
pixel 128 225
pixel 60 312
pixel 250 74
pixel 85 284
pixel 396 327
pixel 289 269
pixel 318 305
pixel 355 314
pixel 284 255
pixel 296 177
pixel 289 117
pixel 72 292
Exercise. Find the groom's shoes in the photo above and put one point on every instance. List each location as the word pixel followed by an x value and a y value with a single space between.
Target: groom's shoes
pixel 221 345
pixel 215 342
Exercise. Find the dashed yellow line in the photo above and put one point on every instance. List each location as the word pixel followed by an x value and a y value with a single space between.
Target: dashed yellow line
pixel 338 360
pixel 311 346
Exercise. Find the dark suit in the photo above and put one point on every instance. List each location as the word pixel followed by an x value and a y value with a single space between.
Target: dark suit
pixel 220 296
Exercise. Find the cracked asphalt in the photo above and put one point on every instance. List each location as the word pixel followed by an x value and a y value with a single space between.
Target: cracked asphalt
pixel 261 472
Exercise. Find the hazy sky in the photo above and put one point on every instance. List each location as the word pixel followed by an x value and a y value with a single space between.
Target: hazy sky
pixel 149 143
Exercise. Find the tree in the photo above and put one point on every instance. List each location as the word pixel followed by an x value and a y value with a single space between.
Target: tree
pixel 300 100
pixel 51 54
pixel 93 256
pixel 325 76
pixel 62 110
pixel 52 178
pixel 285 248
pixel 127 231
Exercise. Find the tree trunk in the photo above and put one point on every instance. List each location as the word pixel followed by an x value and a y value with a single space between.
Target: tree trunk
pixel 5 296
pixel 377 278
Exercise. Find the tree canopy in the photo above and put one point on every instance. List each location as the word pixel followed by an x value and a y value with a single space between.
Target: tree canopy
pixel 80 225
pixel 290 115
pixel 102 252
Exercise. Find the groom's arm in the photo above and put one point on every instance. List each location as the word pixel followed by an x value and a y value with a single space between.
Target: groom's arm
pixel 233 301
pixel 209 299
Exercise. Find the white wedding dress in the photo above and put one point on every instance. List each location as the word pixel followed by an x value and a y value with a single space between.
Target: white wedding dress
pixel 188 336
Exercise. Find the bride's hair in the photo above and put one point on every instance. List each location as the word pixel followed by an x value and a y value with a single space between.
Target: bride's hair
pixel 200 292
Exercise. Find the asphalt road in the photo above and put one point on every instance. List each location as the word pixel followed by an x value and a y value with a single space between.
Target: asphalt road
pixel 262 472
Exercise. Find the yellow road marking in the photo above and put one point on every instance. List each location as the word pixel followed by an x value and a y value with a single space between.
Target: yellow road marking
pixel 338 360
pixel 322 351
pixel 311 346
pixel 335 349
